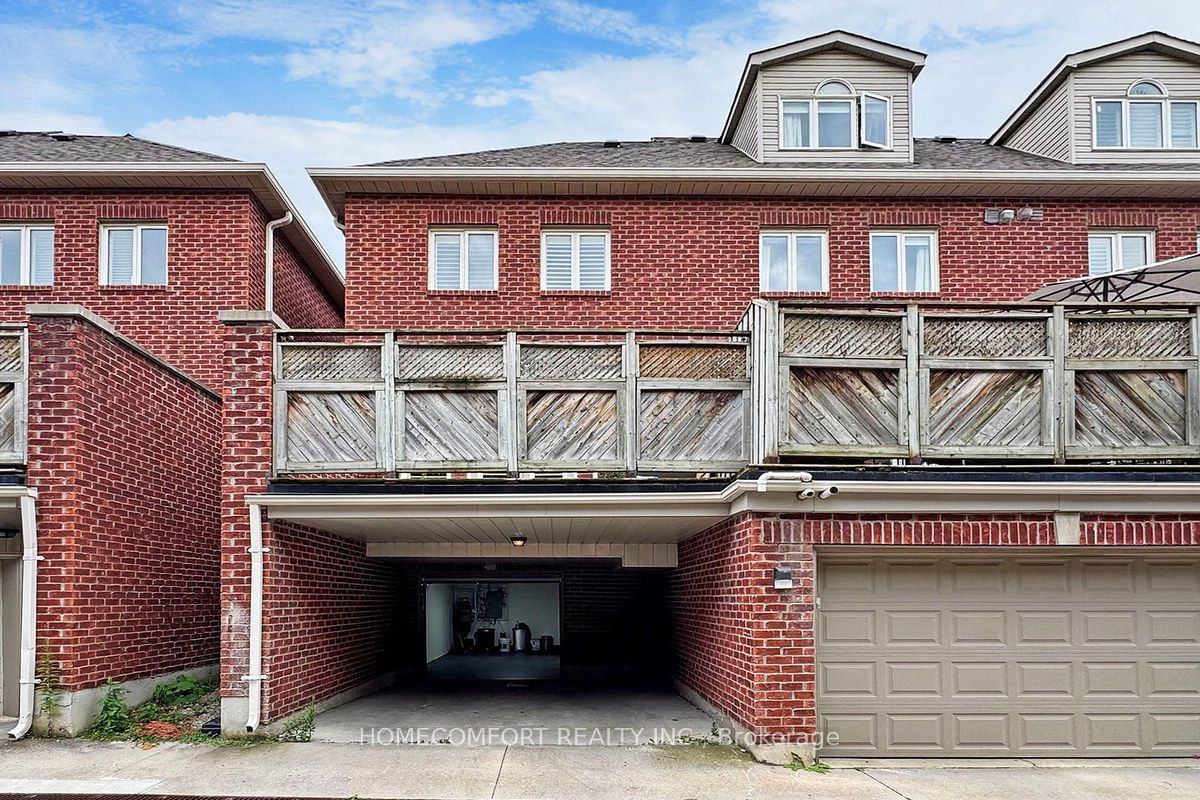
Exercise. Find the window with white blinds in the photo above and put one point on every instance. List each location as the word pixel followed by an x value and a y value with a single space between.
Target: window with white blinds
pixel 1115 250
pixel 463 259
pixel 1145 119
pixel 576 260
pixel 133 255
pixel 26 255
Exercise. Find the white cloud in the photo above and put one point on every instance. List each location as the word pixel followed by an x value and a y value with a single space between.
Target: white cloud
pixel 605 23
pixel 387 47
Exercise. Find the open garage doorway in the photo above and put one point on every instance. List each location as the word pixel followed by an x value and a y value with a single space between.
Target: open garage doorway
pixel 493 630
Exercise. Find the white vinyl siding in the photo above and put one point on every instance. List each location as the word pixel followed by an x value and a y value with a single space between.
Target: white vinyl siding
pixel 904 261
pixel 1109 82
pixel 746 136
pixel 1047 131
pixel 26 255
pixel 1116 250
pixel 133 255
pixel 794 261
pixel 799 80
pixel 576 260
pixel 463 259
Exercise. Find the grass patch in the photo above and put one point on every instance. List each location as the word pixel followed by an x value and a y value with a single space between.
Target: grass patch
pixel 174 712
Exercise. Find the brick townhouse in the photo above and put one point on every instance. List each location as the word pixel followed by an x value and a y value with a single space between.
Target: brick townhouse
pixel 775 416
pixel 117 257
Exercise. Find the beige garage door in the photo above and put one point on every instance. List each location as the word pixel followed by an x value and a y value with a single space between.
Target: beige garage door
pixel 1031 655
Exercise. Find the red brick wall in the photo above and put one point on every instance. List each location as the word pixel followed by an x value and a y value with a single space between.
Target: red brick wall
pixel 749 649
pixel 330 618
pixel 301 301
pixel 693 263
pixel 213 251
pixel 124 455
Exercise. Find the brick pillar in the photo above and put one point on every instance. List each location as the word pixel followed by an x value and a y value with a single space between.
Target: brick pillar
pixel 245 469
pixel 742 646
pixel 54 435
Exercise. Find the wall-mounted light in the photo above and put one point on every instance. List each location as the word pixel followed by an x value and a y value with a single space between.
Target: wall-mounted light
pixel 783 577
pixel 519 540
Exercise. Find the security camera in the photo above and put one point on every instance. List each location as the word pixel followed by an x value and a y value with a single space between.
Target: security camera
pixel 828 492
pixel 807 494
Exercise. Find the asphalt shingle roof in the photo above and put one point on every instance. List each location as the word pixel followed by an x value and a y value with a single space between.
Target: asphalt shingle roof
pixel 23 146
pixel 670 152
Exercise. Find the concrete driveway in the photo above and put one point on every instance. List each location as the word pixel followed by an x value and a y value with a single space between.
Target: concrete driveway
pixel 434 772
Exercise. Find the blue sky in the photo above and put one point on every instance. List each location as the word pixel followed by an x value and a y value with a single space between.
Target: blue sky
pixel 301 83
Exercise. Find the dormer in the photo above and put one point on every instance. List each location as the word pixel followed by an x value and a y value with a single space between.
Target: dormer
pixel 1135 101
pixel 833 97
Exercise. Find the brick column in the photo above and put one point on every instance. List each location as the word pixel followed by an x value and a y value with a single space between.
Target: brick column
pixel 743 647
pixel 245 469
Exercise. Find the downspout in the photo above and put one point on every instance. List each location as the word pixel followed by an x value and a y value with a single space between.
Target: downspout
pixel 29 573
pixel 802 477
pixel 255 677
pixel 269 261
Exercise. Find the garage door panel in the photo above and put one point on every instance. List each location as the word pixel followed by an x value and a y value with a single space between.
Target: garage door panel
pixel 1042 680
pixel 1109 679
pixel 970 628
pixel 1172 577
pixel 1043 628
pixel 972 681
pixel 981 734
pixel 1174 627
pixel 1174 732
pixel 1112 732
pixel 1173 679
pixel 909 628
pixel 1030 655
pixel 913 679
pixel 848 679
pixel 847 627
pixel 914 732
pixel 1109 628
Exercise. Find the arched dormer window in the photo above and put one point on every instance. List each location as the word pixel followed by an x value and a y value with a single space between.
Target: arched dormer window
pixel 1146 89
pixel 1145 119
pixel 835 117
pixel 834 87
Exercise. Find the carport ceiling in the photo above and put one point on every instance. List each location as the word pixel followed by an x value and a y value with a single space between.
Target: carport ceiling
pixel 558 519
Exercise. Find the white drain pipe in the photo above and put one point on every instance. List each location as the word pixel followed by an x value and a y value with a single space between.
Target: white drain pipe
pixel 29 573
pixel 269 261
pixel 802 477
pixel 255 678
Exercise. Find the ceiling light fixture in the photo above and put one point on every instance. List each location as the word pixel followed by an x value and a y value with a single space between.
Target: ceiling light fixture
pixel 518 540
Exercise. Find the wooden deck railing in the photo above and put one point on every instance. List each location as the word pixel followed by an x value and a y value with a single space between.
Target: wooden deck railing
pixel 935 383
pixel 510 402
pixel 983 383
pixel 14 358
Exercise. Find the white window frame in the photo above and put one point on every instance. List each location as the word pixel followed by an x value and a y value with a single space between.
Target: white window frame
pixel 575 233
pixel 137 228
pixel 1164 102
pixel 862 114
pixel 26 267
pixel 463 233
pixel 856 101
pixel 935 266
pixel 1114 235
pixel 791 234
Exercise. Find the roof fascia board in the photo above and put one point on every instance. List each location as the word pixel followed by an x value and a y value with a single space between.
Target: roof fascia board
pixel 256 176
pixel 744 496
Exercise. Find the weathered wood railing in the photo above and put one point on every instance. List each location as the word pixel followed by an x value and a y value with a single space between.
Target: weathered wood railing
pixel 510 402
pixel 14 358
pixel 984 383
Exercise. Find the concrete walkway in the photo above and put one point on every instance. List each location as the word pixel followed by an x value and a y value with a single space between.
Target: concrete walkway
pixel 434 772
